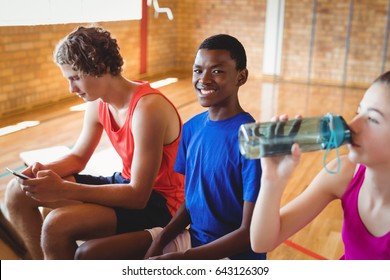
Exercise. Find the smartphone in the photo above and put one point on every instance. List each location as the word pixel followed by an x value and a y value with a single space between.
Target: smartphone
pixel 17 174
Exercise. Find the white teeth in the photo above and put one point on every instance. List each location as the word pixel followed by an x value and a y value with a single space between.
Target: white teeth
pixel 206 92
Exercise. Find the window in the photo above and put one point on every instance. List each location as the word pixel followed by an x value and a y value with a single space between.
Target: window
pixel 37 12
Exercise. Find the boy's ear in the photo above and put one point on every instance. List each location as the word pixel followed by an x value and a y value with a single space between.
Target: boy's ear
pixel 242 77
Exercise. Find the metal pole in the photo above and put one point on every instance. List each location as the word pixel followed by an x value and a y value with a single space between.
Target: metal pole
pixel 278 30
pixel 386 38
pixel 347 43
pixel 312 35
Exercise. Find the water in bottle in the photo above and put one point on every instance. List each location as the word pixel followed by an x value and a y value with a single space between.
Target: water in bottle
pixel 267 139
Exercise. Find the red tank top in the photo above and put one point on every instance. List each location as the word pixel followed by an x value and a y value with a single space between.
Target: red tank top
pixel 168 182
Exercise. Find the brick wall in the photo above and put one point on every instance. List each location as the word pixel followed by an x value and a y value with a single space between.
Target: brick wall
pixel 162 36
pixel 329 54
pixel 243 19
pixel 367 40
pixel 176 41
pixel 330 41
pixel 29 78
pixel 296 40
pixel 27 73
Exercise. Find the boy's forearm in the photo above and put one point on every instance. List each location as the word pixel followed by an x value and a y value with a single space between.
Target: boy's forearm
pixel 66 166
pixel 178 223
pixel 231 244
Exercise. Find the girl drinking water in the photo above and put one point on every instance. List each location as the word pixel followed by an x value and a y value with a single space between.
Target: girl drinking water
pixel 362 185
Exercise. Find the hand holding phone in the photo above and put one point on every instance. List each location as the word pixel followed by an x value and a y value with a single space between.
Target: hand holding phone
pixel 17 174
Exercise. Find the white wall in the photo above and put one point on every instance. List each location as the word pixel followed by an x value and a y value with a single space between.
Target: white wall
pixel 36 12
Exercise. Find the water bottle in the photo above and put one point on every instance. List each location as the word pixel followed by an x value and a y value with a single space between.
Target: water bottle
pixel 268 139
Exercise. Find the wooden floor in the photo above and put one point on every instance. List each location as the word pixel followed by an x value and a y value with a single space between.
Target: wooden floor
pixel 263 99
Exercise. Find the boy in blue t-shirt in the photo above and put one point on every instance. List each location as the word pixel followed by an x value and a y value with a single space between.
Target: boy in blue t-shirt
pixel 221 186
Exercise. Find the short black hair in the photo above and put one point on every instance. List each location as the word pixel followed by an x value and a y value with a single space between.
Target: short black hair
pixel 228 43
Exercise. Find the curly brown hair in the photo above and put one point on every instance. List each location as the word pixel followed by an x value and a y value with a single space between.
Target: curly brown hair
pixel 90 51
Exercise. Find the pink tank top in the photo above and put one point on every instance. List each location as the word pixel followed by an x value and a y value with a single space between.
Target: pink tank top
pixel 359 243
pixel 168 183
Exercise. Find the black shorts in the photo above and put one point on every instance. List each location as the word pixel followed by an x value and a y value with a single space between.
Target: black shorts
pixel 155 214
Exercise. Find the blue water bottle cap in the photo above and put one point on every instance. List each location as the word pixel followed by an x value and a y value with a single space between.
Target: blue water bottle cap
pixel 337 126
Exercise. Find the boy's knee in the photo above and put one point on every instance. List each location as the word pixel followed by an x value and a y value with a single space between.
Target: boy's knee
pixel 59 226
pixel 55 223
pixel 16 201
pixel 13 194
pixel 58 229
pixel 83 252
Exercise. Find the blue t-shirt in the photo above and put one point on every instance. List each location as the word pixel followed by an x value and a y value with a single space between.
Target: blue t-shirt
pixel 217 178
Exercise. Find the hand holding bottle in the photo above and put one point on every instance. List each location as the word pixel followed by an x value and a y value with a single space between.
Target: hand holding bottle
pixel 276 138
pixel 282 166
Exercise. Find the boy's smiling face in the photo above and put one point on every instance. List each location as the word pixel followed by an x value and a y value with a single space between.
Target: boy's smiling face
pixel 216 78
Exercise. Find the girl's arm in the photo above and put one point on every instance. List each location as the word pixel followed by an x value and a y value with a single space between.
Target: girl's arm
pixel 272 225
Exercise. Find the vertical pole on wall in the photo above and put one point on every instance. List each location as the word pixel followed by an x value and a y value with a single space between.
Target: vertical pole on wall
pixel 277 57
pixel 312 36
pixel 386 38
pixel 144 38
pixel 273 37
pixel 347 42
